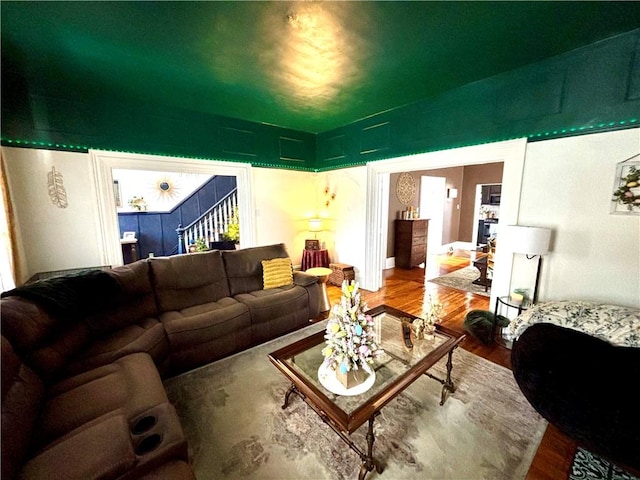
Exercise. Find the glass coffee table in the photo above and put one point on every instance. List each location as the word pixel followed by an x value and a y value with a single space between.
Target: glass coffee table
pixel 398 367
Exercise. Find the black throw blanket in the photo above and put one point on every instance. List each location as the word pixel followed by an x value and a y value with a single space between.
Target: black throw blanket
pixel 76 295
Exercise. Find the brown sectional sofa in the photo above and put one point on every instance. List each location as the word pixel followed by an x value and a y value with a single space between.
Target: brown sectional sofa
pixel 83 358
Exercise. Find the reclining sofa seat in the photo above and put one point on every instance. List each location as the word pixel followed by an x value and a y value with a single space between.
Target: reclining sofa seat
pixel 203 322
pixel 80 378
pixel 59 345
pixel 274 311
pixel 131 325
pixel 89 425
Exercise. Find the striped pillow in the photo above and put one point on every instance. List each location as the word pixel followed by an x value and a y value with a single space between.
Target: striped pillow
pixel 277 272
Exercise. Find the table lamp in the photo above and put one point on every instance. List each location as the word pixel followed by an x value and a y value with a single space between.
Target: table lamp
pixel 315 226
pixel 532 242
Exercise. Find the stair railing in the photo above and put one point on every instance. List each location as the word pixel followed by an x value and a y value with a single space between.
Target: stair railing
pixel 211 225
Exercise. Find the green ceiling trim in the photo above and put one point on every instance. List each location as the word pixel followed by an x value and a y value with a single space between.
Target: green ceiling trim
pixel 601 126
pixel 532 137
pixel 36 144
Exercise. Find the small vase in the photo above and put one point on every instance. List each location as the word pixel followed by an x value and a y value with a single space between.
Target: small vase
pixel 352 378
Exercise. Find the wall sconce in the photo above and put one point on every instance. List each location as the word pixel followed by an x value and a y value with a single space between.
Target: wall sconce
pixel 452 193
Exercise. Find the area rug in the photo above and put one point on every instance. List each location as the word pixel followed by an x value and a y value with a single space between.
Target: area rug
pixel 587 466
pixel 461 280
pixel 235 427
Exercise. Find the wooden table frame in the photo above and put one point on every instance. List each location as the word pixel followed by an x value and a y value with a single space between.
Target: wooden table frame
pixel 344 424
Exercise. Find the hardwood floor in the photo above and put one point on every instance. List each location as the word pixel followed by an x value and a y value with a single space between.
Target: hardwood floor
pixel 408 290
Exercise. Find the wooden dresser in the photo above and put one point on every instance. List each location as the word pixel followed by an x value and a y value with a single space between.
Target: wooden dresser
pixel 411 242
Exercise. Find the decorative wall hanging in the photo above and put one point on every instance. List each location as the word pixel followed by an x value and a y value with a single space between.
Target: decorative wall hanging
pixel 166 188
pixel 626 189
pixel 328 196
pixel 405 188
pixel 57 192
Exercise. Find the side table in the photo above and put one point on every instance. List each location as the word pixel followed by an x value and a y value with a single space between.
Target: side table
pixel 340 272
pixel 323 275
pixel 483 280
pixel 507 302
pixel 314 258
pixel 129 249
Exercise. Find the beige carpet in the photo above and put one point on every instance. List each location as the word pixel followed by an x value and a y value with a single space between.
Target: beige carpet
pixel 232 417
pixel 461 280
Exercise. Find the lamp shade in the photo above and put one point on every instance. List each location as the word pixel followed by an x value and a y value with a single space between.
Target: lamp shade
pixel 528 240
pixel 315 224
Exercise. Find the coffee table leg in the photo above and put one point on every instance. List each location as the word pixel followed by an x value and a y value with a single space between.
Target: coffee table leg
pixel 292 389
pixel 448 383
pixel 369 462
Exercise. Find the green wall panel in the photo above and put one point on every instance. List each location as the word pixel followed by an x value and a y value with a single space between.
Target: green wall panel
pixel 592 89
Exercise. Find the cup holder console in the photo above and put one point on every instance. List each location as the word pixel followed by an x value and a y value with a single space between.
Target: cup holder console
pixel 144 424
pixel 156 433
pixel 148 444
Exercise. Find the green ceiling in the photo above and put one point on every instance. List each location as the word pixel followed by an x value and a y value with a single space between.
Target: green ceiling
pixel 310 66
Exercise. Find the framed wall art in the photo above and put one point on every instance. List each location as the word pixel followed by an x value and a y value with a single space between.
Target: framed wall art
pixel 405 188
pixel 626 188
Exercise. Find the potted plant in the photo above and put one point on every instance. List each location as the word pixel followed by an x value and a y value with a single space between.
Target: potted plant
pixel 138 203
pixel 201 245
pixel 232 234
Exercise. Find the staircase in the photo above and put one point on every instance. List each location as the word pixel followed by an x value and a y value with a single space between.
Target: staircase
pixel 212 225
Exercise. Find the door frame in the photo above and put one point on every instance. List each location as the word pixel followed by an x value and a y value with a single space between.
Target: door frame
pixel 439 221
pixel 104 162
pixel 510 152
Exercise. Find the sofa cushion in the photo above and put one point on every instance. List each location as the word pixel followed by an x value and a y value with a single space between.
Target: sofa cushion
pixel 128 386
pixel 613 323
pixel 204 333
pixel 244 267
pixel 44 342
pixel 117 446
pixel 276 311
pixel 277 272
pixel 182 281
pixel 147 336
pixel 22 396
pixel 135 300
pixel 106 452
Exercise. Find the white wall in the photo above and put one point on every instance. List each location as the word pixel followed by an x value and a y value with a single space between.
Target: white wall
pixel 567 186
pixel 285 200
pixel 53 238
pixel 144 183
pixel 349 211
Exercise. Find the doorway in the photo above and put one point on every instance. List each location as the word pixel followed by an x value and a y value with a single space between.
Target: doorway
pixel 432 194
pixel 104 163
pixel 511 153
